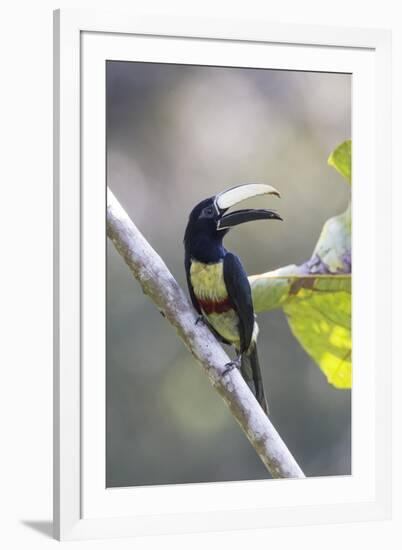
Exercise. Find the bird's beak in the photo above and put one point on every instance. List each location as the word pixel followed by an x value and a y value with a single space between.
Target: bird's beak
pixel 234 195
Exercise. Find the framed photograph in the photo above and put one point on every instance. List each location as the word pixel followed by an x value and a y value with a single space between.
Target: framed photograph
pixel 170 135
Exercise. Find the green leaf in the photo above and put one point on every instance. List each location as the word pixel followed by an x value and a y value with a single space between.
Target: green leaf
pixel 333 249
pixel 278 288
pixel 316 296
pixel 341 160
pixel 321 323
pixel 318 309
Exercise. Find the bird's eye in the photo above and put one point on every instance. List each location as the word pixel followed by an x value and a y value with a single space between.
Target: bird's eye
pixel 209 211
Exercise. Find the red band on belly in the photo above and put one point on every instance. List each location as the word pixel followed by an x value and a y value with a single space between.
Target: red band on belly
pixel 209 306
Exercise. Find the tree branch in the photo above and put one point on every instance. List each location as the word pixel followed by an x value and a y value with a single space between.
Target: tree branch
pixel 159 284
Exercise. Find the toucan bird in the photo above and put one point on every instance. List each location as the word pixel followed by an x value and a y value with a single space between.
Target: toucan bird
pixel 217 282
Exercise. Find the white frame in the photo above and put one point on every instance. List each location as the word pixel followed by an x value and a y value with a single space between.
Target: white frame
pixel 370 495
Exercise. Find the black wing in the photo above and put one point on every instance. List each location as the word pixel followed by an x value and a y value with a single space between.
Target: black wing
pixel 239 292
pixel 187 266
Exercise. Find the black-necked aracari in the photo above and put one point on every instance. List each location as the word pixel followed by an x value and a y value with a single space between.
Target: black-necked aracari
pixel 217 282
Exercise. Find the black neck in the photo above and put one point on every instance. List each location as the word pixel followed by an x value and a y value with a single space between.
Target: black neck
pixel 205 249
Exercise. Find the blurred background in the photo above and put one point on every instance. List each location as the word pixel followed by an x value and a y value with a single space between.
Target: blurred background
pixel 175 135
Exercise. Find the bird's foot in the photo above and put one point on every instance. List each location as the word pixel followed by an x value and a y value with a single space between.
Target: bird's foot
pixel 235 364
pixel 200 319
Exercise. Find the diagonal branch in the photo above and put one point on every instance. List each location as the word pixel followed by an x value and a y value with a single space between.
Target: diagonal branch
pixel 159 284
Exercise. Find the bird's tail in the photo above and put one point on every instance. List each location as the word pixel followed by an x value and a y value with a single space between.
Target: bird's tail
pixel 251 372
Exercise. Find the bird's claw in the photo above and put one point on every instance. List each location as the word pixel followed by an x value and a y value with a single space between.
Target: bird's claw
pixel 235 364
pixel 200 319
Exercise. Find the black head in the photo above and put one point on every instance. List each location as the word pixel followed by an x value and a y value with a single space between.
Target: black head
pixel 209 221
pixel 204 218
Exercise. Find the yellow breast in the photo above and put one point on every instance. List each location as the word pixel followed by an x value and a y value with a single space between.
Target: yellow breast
pixel 207 280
